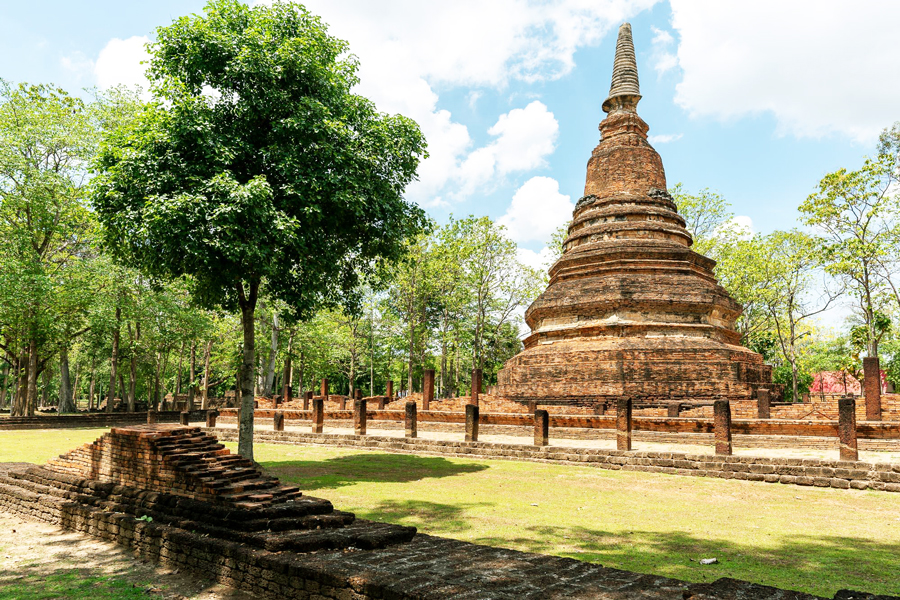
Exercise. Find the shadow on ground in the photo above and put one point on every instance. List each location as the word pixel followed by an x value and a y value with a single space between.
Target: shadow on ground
pixel 337 472
pixel 810 563
pixel 449 518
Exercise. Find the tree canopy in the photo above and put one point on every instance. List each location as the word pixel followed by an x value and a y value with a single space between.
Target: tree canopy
pixel 256 170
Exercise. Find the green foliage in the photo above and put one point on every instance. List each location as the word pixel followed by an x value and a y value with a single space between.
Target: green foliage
pixel 856 213
pixel 782 374
pixel 257 163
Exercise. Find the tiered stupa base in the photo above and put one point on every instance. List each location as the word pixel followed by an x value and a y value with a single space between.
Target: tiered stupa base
pixel 587 371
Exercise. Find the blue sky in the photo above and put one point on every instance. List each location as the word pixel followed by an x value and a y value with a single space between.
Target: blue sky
pixel 756 100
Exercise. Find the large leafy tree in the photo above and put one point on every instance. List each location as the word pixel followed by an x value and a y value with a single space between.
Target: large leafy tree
pixel 257 171
pixel 46 140
pixel 856 213
pixel 794 291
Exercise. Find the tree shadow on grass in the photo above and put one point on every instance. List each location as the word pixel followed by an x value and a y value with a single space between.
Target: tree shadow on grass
pixel 341 471
pixel 441 519
pixel 812 564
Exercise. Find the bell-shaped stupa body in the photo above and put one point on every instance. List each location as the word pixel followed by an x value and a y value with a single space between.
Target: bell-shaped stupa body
pixel 630 309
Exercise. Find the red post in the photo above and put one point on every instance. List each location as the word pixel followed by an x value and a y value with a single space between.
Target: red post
pixel 722 426
pixel 428 389
pixel 872 388
pixel 623 424
pixel 476 386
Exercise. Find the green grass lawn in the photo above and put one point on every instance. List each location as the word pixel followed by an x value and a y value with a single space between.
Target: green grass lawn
pixel 808 539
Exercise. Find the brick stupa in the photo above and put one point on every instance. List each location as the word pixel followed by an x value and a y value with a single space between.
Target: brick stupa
pixel 630 309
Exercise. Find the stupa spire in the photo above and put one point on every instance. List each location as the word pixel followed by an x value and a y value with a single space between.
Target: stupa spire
pixel 625 91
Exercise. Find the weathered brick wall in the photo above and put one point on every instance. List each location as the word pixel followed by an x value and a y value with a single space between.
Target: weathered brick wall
pixel 673 425
pixel 93 420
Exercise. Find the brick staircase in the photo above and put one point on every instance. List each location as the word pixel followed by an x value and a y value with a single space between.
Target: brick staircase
pixel 183 477
pixel 176 460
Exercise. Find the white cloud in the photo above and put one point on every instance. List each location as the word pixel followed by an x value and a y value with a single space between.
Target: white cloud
pixel 661 57
pixel 664 138
pixel 473 97
pixel 524 138
pixel 820 67
pixel 536 211
pixel 740 227
pixel 535 260
pixel 119 63
pixel 409 48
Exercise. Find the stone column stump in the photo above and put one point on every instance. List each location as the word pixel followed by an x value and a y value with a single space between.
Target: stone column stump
pixel 185 417
pixel 763 404
pixel 307 396
pixel 412 420
pixel 847 428
pixel 722 426
pixel 152 417
pixel 318 416
pixel 359 416
pixel 211 416
pixel 872 388
pixel 389 392
pixel 541 427
pixel 278 421
pixel 471 423
pixel 623 424
pixel 428 389
pixel 674 409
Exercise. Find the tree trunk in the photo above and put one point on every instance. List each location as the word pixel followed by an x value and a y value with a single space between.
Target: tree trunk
pixel 78 367
pixel 302 367
pixel 412 353
pixel 247 303
pixel 92 387
pixel 114 364
pixel 269 388
pixel 178 373
pixel 45 389
pixel 66 404
pixel 18 404
pixel 31 385
pixel 204 399
pixel 3 385
pixel 288 367
pixel 132 383
pixel 192 389
pixel 123 391
pixel 153 402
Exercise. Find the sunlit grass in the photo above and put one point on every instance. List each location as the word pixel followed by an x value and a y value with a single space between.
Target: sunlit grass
pixel 807 539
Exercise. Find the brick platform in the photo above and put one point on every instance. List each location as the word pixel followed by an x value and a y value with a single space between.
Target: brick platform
pixel 184 477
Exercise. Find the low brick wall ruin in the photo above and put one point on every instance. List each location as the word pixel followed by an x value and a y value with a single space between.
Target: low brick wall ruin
pixel 93 420
pixel 875 430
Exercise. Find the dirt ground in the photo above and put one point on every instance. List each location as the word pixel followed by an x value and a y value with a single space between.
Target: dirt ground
pixel 37 553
